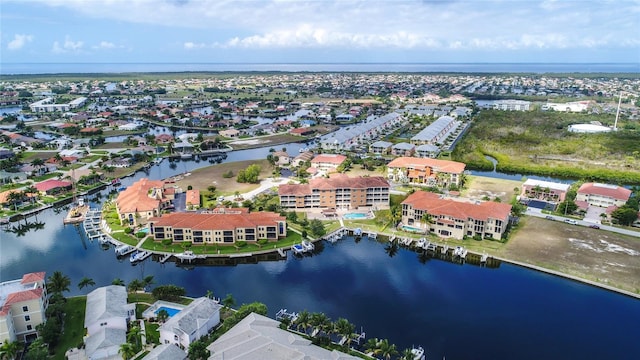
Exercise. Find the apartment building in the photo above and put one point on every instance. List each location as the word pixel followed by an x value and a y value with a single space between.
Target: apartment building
pixel 337 192
pixel 603 195
pixel 454 218
pixel 425 171
pixel 23 303
pixel 143 200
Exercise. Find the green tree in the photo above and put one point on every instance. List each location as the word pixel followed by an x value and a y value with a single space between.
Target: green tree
pixel 135 285
pixel 58 282
pixel 567 207
pixel 127 351
pixel 198 351
pixel 228 301
pixel 84 282
pixel 9 350
pixel 37 350
pixel 117 281
pixel 317 227
pixel 371 345
pixel 147 281
pixel 625 215
pixel 134 336
pixel 320 322
pixel 386 349
pixel 162 315
pixel 303 320
pixel 168 292
pixel 345 329
pixel 407 354
pixel 50 331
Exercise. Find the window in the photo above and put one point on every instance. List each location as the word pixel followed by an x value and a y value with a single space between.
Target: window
pixel 29 327
pixel 25 308
pixel 27 318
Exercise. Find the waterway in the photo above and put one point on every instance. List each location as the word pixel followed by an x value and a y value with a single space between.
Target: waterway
pixel 457 311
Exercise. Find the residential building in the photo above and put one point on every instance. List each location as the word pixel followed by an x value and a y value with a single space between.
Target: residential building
pixel 574 106
pixel 229 133
pixel 349 137
pixel 221 226
pixel 327 162
pixel 603 195
pixel 166 352
pixel 260 337
pixel 338 191
pixel 380 147
pixel 49 105
pixel 283 158
pixel 426 171
pixel 454 218
pixel 23 303
pixel 543 194
pixel 191 323
pixel 511 105
pixel 192 200
pixel 142 200
pixel 403 149
pixel 53 186
pixel 436 132
pixel 302 158
pixel 427 151
pixel 106 317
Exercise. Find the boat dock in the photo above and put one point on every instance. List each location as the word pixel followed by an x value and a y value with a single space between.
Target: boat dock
pixel 283 314
pixel 304 247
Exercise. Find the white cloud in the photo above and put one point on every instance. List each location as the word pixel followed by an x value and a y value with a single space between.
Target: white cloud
pixel 104 45
pixel 68 46
pixel 191 45
pixel 19 41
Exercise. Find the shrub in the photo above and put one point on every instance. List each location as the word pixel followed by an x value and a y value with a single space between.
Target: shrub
pixel 128 230
pixel 140 234
pixel 228 174
pixel 263 241
pixel 241 243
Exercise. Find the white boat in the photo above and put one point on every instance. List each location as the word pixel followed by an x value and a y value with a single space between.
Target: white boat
pixel 186 255
pixel 421 243
pixel 418 353
pixel 158 160
pixel 308 245
pixel 124 249
pixel 459 250
pixel 139 256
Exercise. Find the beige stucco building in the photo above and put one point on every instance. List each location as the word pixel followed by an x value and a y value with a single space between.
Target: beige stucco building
pixel 23 303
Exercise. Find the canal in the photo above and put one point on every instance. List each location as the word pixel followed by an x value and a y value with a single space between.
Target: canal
pixel 453 311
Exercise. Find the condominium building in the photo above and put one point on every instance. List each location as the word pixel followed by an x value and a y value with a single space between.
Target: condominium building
pixel 338 191
pixel 142 200
pixel 543 194
pixel 437 131
pixel 512 105
pixel 426 171
pixel 351 136
pixel 454 218
pixel 327 162
pixel 603 195
pixel 221 226
pixel 49 105
pixel 23 303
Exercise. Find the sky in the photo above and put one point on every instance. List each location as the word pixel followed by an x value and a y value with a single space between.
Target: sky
pixel 319 31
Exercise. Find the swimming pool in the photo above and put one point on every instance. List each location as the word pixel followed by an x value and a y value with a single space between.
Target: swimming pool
pixel 171 311
pixel 411 228
pixel 353 216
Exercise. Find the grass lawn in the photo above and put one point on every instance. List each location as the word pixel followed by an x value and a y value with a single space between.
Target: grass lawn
pixel 29 156
pixel 73 326
pixel 153 335
pixel 212 175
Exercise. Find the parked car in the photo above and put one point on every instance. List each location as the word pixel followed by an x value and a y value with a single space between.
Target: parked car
pixel 548 217
pixel 570 221
pixel 594 226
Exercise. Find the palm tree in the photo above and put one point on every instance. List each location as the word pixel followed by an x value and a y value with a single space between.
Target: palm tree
pixel 386 349
pixel 148 281
pixel 407 354
pixel 162 315
pixel 134 333
pixel 9 350
pixel 372 345
pixel 37 163
pixel 14 198
pixel 58 282
pixel 228 301
pixel 303 320
pixel 85 281
pixel 117 281
pixel 135 285
pixel 345 329
pixel 127 351
pixel 209 294
pixel 319 322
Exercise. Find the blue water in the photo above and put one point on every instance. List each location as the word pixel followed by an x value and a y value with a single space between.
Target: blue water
pixel 349 216
pixel 411 228
pixel 171 311
pixel 54 68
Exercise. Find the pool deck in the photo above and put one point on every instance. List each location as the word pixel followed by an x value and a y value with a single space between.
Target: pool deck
pixel 151 311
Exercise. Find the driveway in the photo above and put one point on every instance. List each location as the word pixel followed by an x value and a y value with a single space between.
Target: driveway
pixel 180 202
pixel 593 214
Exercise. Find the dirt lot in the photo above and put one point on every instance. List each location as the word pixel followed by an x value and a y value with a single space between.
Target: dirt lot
pixel 479 186
pixel 212 175
pixel 596 255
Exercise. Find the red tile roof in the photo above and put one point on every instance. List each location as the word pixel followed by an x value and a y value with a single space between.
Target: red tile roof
pixel 193 197
pixel 420 163
pixel 33 277
pixel 335 159
pixel 20 296
pixel 336 181
pixel 612 191
pixel 217 221
pixel 434 205
pixel 51 184
pixel 136 197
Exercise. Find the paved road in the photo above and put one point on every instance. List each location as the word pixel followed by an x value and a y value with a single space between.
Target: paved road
pixel 538 213
pixel 265 185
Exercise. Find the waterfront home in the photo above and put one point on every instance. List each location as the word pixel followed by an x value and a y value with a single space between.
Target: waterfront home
pixel 259 337
pixel 220 226
pixel 23 304
pixel 338 191
pixel 229 133
pixel 302 158
pixel 454 218
pixel 603 195
pixel 106 317
pixel 31 170
pixel 192 199
pixel 283 158
pixel 191 323
pixel 425 171
pixel 53 186
pixel 142 200
pixel 302 131
pixel 545 194
pixel 327 162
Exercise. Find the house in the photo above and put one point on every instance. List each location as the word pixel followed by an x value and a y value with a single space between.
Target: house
pixel 23 304
pixel 338 191
pixel 380 147
pixel 603 195
pixel 302 158
pixel 6 154
pixel 427 151
pixel 106 317
pixel 164 139
pixel 454 218
pixel 220 226
pixel 302 131
pixel 120 162
pixel 403 149
pixel 229 133
pixel 543 194
pixel 259 337
pixel 426 171
pixel 192 200
pixel 327 162
pixel 283 158
pixel 53 186
pixel 191 323
pixel 166 352
pixel 142 200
